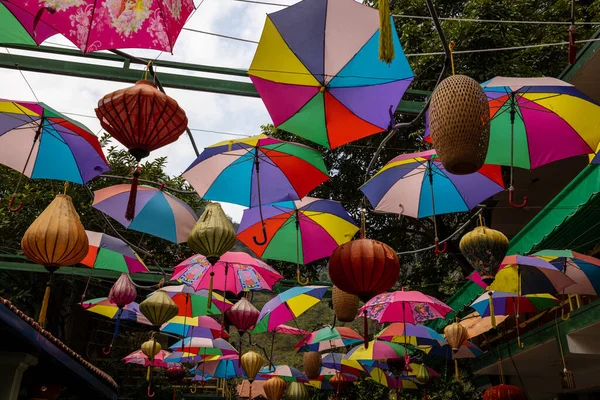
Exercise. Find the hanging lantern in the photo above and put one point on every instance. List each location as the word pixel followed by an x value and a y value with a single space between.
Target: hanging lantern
pixel 296 391
pixel 485 249
pixel 143 119
pixel 151 348
pixel 504 392
pixel 274 388
pixel 176 373
pixel 423 376
pixel 312 364
pixel 159 308
pixel 345 305
pixel 364 268
pixel 243 315
pixel 251 362
pixel 55 239
pixel 459 122
pixel 456 335
pixel 339 381
pixel 122 292
pixel 213 234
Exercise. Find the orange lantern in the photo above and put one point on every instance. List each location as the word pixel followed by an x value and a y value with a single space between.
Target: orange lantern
pixel 274 388
pixel 504 392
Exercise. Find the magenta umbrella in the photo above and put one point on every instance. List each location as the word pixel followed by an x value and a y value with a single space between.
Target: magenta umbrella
pixel 234 272
pixel 404 306
pixel 94 25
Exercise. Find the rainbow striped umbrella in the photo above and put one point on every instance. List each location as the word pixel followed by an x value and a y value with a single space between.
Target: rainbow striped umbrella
pixel 407 333
pixel 584 270
pixel 193 303
pixel 204 327
pixel 285 372
pixel 388 380
pixel 224 369
pixel 377 350
pixel 113 254
pixel 337 362
pixel 300 231
pixel 102 306
pixel 328 338
pixel 506 303
pixel 157 212
pixel 139 358
pixel 199 346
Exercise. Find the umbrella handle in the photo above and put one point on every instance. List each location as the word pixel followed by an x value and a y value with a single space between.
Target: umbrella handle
pixel 84 306
pixel 107 351
pixel 12 202
pixel 264 240
pixel 562 316
pixel 193 389
pixel 150 394
pixel 441 250
pixel 512 203
pixel 303 283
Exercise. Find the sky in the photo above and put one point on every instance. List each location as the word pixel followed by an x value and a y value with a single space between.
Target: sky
pixel 210 111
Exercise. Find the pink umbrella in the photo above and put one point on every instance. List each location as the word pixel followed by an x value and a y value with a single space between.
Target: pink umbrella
pixel 94 25
pixel 404 306
pixel 139 358
pixel 234 272
pixel 290 330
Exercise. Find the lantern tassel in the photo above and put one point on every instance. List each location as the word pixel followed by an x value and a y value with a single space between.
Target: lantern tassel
pixel 386 43
pixel 492 314
pixel 456 369
pixel 130 211
pixel 210 291
pixel 45 302
pixel 148 373
pixel 174 394
pixel 250 391
pixel 366 329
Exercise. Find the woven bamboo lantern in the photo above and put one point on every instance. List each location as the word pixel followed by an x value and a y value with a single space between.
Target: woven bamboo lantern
pixel 423 376
pixel 296 391
pixel 151 348
pixel 312 364
pixel 251 362
pixel 159 308
pixel 55 239
pixel 122 292
pixel 504 392
pixel 345 305
pixel 456 335
pixel 274 388
pixel 459 124
pixel 243 315
pixel 484 248
pixel 143 119
pixel 213 234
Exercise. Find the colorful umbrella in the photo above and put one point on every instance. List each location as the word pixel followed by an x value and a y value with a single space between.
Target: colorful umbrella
pixel 224 369
pixel 203 327
pixel 535 121
pixel 193 303
pixel 406 333
pixel 506 303
pixel 287 306
pixel 109 253
pixel 318 72
pixel 205 355
pixel 290 330
pixel 234 272
pixel 205 347
pixel 139 358
pixel 377 350
pixel 529 275
pixel 584 270
pixel 322 381
pixel 232 171
pixel 476 325
pixel 337 362
pixel 103 25
pixel 404 306
pixel 388 380
pixel 467 350
pixel 287 373
pixel 300 231
pixel 328 338
pixel 102 306
pixel 157 212
pixel 17 25
pixel 41 143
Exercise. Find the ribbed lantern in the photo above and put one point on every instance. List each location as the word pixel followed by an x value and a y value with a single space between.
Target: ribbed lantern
pixel 213 234
pixel 504 392
pixel 143 119
pixel 296 391
pixel 151 348
pixel 312 364
pixel 176 374
pixel 159 308
pixel 243 315
pixel 339 381
pixel 251 362
pixel 456 335
pixel 364 268
pixel 55 239
pixel 122 292
pixel 345 305
pixel 423 376
pixel 459 124
pixel 274 388
pixel 484 248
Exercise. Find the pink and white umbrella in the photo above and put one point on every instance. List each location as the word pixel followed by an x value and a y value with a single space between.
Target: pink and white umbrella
pixel 404 306
pixel 139 358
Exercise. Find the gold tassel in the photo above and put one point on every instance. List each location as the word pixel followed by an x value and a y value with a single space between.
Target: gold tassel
pixel 386 43
pixel 492 310
pixel 210 291
pixel 250 392
pixel 148 373
pixel 456 369
pixel 44 309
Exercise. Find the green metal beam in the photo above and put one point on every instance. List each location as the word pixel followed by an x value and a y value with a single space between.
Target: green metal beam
pixel 120 71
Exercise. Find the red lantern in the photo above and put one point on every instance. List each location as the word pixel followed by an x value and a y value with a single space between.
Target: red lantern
pixel 176 373
pixel 243 315
pixel 339 382
pixel 122 292
pixel 364 268
pixel 143 119
pixel 504 392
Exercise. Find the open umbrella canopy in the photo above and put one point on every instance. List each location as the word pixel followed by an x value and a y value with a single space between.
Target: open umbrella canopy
pixel 157 213
pixel 529 275
pixel 242 171
pixel 203 327
pixel 42 143
pixel 287 306
pixel 290 330
pixel 406 333
pixel 103 306
pixel 139 358
pixel 113 254
pixel 223 369
pixel 322 381
pixel 189 357
pixel 583 269
pixel 476 325
pixel 337 362
pixel 404 306
pixel 328 338
pixel 234 272
pixel 318 72
pixel 418 185
pixel 299 231
pixel 105 25
pixel 285 372
pixel 506 303
pixel 388 380
pixel 193 303
pixel 17 26
pixel 467 350
pixel 377 350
